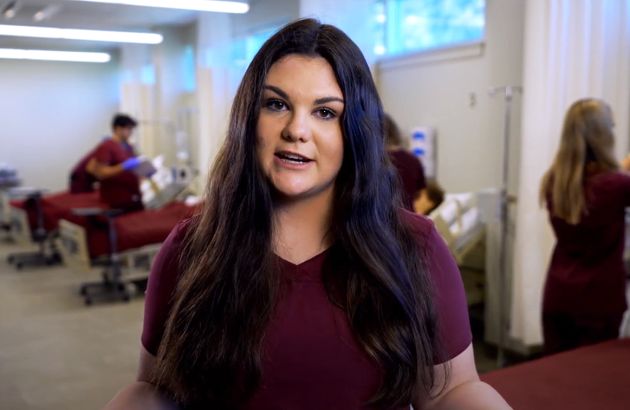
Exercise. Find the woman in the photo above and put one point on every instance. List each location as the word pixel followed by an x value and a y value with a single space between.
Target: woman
pixel 409 167
pixel 584 297
pixel 301 285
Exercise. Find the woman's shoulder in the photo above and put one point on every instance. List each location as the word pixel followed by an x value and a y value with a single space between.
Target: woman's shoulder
pixel 169 256
pixel 179 233
pixel 420 225
pixel 428 238
pixel 611 180
pixel 613 175
pixel 166 271
pixel 448 290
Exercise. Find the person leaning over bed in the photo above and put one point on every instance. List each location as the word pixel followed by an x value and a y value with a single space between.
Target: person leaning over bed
pixel 409 167
pixel 302 285
pixel 81 181
pixel 586 195
pixel 112 163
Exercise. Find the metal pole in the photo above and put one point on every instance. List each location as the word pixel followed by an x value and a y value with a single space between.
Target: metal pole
pixel 508 93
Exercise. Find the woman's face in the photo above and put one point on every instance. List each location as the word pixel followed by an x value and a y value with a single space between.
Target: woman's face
pixel 299 137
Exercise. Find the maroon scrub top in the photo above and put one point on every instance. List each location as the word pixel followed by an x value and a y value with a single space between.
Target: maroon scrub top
pixel 311 359
pixel 122 190
pixel 411 174
pixel 81 181
pixel 586 277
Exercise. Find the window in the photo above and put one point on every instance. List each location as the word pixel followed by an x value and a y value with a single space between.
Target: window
pixel 245 48
pixel 242 51
pixel 403 26
pixel 188 68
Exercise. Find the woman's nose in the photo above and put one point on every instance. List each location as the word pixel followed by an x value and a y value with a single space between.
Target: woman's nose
pixel 297 128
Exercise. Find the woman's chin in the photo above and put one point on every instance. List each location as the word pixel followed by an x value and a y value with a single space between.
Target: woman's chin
pixel 292 193
pixel 298 193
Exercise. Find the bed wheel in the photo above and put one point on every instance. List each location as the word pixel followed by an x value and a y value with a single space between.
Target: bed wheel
pixel 10 259
pixel 125 297
pixel 88 301
pixel 19 266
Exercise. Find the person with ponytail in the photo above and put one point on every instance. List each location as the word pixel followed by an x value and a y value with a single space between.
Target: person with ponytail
pixel 302 284
pixel 586 196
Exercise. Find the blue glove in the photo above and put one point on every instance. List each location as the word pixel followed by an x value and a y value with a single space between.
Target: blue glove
pixel 131 163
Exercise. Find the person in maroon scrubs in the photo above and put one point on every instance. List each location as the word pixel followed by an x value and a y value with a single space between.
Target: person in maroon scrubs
pixel 81 181
pixel 586 195
pixel 409 167
pixel 112 163
pixel 301 285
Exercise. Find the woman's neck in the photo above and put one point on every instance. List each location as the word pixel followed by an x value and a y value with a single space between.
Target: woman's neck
pixel 301 227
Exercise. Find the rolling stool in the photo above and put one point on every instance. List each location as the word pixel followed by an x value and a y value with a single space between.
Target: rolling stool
pixel 112 285
pixel 47 254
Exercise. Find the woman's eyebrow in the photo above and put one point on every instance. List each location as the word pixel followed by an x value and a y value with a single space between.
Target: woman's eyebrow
pixel 277 91
pixel 325 100
pixel 318 101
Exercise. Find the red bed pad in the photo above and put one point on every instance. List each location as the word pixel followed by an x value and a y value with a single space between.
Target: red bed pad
pixel 135 229
pixel 592 377
pixel 56 206
pixel 28 206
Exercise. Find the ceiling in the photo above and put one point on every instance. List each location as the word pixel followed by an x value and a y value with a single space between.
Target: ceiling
pixel 87 15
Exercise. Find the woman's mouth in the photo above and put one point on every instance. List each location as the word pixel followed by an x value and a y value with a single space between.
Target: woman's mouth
pixel 292 157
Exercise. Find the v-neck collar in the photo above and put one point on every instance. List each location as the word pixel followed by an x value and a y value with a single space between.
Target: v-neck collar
pixel 313 259
pixel 309 270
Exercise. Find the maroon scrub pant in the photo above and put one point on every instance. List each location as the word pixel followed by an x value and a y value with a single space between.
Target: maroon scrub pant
pixel 565 332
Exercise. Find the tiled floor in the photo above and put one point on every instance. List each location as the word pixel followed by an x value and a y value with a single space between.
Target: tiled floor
pixel 56 353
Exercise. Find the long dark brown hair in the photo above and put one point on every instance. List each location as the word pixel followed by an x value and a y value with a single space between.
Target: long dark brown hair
pixel 211 350
pixel 587 139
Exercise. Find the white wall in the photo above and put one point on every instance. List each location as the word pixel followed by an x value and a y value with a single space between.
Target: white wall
pixel 263 14
pixel 217 78
pixel 51 114
pixel 451 95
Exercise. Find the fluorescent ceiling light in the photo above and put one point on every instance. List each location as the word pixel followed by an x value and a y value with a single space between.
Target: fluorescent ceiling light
pixel 83 57
pixel 76 34
pixel 217 6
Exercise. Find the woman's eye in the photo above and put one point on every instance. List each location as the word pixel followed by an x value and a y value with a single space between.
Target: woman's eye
pixel 275 105
pixel 326 113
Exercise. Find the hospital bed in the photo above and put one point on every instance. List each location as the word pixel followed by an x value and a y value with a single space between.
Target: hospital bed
pixel 123 244
pixel 591 377
pixel 471 226
pixel 458 221
pixel 35 218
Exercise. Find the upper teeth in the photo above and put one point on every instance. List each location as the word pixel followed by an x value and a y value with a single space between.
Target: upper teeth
pixel 293 157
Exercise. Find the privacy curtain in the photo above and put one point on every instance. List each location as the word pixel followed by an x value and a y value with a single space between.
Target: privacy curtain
pixel 138 94
pixel 573 49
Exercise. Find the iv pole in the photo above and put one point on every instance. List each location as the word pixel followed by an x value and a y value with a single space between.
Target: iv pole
pixel 508 92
